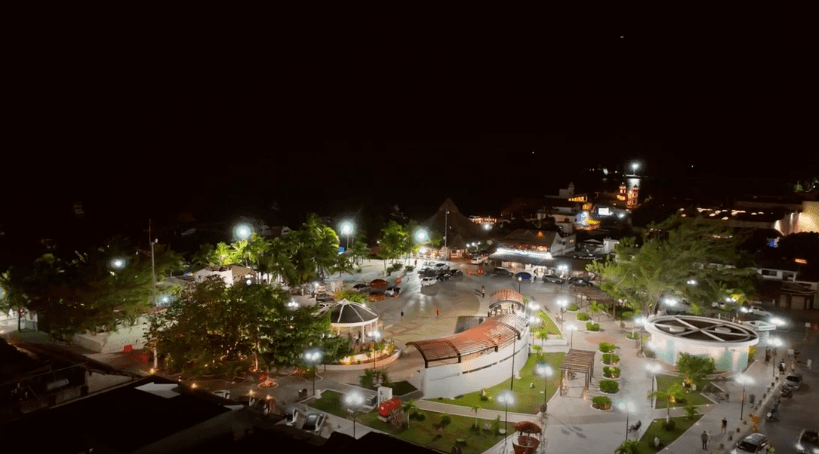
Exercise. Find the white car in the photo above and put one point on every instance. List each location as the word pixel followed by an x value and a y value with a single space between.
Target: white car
pixel 314 422
pixel 478 260
pixel 428 281
pixel 759 325
pixel 756 310
pixel 223 393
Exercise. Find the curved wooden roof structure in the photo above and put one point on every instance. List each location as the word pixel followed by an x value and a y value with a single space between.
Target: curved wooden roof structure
pixel 506 295
pixel 495 333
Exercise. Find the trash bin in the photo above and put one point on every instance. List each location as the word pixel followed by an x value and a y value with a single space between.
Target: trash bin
pixel 751 399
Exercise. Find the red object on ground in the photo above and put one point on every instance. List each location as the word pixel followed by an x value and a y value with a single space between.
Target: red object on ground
pixel 389 406
pixel 128 348
pixel 378 283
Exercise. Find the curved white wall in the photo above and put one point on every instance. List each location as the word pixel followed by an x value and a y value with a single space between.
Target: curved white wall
pixel 483 372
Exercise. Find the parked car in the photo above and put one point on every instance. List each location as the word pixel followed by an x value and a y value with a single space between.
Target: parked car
pixel 428 280
pixel 793 381
pixel 324 298
pixel 254 403
pixel 442 275
pixel 441 266
pixel 808 442
pixel 752 444
pixel 501 271
pixel 455 273
pixel 393 291
pixel 552 279
pixel 314 422
pixel 223 393
pixel 361 288
pixel 579 282
pixel 477 260
pixel 291 416
pixel 524 275
pixel 756 310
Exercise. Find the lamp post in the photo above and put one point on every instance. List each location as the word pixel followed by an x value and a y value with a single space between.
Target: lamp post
pixel 354 400
pixel 376 335
pixel 640 321
pixel 572 329
pixel 653 368
pixel 313 357
pixel 775 342
pixel 546 371
pixel 634 166
pixel 242 231
pixel 347 229
pixel 507 398
pixel 118 263
pixel 563 304
pixel 628 407
pixel 743 380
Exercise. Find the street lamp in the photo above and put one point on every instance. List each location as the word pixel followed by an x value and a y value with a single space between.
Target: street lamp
pixel 743 380
pixel 242 231
pixel 118 263
pixel 640 321
pixel 546 371
pixel 653 368
pixel 376 335
pixel 634 166
pixel 572 329
pixel 347 229
pixel 507 398
pixel 520 279
pixel 313 357
pixel 628 407
pixel 775 342
pixel 563 303
pixel 354 400
pixel 691 282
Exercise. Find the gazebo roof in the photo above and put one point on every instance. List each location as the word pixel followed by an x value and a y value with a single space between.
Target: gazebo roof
pixel 578 361
pixel 349 313
pixel 495 333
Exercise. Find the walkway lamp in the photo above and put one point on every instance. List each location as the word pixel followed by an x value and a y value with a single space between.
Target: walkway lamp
pixel 743 380
pixel 313 357
pixel 628 407
pixel 354 401
pixel 242 231
pixel 347 229
pixel 376 335
pixel 563 303
pixel 507 398
pixel 572 329
pixel 774 342
pixel 653 368
pixel 545 370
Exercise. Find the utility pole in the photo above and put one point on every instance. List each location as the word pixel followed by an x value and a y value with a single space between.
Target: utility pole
pixel 446 229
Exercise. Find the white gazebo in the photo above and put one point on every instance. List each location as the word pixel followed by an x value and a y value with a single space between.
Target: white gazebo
pixel 349 318
pixel 727 342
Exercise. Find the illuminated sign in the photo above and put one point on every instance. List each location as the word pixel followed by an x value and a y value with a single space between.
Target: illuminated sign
pixel 802 261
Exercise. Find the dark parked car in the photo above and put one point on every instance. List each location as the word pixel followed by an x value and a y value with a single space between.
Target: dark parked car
pixel 361 287
pixel 442 275
pixel 808 442
pixel 260 405
pixel 291 416
pixel 501 271
pixel 524 276
pixel 579 282
pixel 793 382
pixel 314 422
pixel 552 279
pixel 454 273
pixel 393 291
pixel 752 444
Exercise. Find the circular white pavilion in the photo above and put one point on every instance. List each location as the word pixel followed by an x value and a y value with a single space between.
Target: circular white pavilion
pixel 727 342
pixel 353 319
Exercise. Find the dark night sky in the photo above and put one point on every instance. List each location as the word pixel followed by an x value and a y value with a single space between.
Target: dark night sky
pixel 408 108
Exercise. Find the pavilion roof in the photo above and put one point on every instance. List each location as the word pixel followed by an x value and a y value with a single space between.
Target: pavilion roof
pixel 578 361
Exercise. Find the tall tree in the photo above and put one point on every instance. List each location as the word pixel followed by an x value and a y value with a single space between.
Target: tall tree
pixel 673 393
pixel 393 242
pixel 675 252
pixel 312 252
pixel 695 368
pixel 13 293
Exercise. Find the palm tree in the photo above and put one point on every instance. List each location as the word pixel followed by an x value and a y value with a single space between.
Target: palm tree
pixel 627 447
pixel 409 407
pixel 673 393
pixel 596 308
pixel 542 334
pixel 475 408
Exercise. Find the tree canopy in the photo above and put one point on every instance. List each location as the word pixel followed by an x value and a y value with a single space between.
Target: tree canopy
pixel 681 257
pixel 695 368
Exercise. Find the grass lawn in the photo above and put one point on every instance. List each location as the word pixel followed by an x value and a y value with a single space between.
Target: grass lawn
pixel 550 325
pixel 665 381
pixel 330 402
pixel 527 400
pixel 426 432
pixel 646 443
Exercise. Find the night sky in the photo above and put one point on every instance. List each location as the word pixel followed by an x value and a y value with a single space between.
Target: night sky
pixel 367 108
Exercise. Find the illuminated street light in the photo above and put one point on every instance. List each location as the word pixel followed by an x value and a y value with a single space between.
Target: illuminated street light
pixel 743 380
pixel 354 400
pixel 376 335
pixel 313 357
pixel 563 303
pixel 640 321
pixel 778 321
pixel 347 229
pixel 118 263
pixel 691 282
pixel 421 235
pixel 628 407
pixel 545 371
pixel 507 398
pixel 242 231
pixel 292 305
pixel 653 368
pixel 634 166
pixel 572 329
pixel 520 279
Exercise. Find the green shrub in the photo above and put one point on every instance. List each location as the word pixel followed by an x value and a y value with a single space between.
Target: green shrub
pixel 582 316
pixel 609 386
pixel 670 425
pixel 592 326
pixel 691 411
pixel 397 266
pixel 610 358
pixel 484 395
pixel 410 269
pixel 606 347
pixel 572 307
pixel 445 419
pixel 611 372
pixel 496 425
pixel 632 335
pixel 601 402
pixel 418 416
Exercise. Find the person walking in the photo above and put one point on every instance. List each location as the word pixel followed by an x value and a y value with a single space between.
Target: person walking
pixel 808 363
pixel 402 314
pixel 437 312
pixel 704 437
pixel 483 292
pixel 724 425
